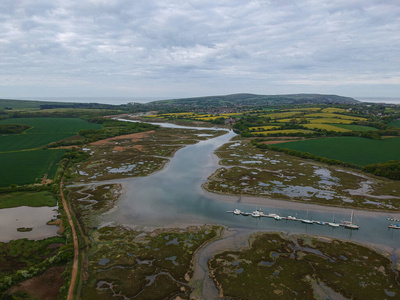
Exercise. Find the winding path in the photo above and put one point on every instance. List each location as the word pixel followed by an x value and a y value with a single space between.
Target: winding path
pixel 76 246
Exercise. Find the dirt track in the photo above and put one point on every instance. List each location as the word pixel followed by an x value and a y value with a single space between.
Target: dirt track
pixel 76 247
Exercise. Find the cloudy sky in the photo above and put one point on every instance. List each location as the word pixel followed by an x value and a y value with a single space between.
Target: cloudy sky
pixel 183 48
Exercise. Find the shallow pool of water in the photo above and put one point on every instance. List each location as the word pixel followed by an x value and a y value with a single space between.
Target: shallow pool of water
pixel 29 217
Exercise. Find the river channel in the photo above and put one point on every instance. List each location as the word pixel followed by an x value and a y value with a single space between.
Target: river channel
pixel 174 197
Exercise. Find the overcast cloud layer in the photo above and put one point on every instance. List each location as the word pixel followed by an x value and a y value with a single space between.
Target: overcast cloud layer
pixel 199 47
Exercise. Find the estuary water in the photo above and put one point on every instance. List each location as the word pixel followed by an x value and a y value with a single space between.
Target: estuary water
pixel 174 197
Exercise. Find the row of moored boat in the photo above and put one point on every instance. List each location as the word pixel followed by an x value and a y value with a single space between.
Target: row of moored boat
pixel 347 224
pixel 258 213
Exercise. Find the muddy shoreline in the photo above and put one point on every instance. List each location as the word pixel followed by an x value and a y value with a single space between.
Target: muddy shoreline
pixel 291 204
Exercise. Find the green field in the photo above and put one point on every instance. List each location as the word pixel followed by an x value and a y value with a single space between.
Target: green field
pixel 26 167
pixel 44 131
pixel 359 151
pixel 34 199
pixel 395 124
pixel 355 127
pixel 52 125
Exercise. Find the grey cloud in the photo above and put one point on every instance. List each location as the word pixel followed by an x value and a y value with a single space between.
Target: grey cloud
pixel 132 45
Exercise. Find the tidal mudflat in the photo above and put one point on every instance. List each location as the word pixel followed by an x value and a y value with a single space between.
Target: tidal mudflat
pixel 250 171
pixel 157 226
pixel 134 155
pixel 304 267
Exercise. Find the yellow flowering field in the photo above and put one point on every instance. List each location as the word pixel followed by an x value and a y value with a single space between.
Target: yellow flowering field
pixel 325 127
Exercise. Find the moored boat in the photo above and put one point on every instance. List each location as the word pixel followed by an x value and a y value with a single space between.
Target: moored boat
pixel 319 222
pixel 306 220
pixel 394 226
pixel 333 223
pixel 237 211
pixel 350 224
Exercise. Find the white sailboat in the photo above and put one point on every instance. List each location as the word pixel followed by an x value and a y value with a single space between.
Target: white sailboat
pixel 333 223
pixel 307 221
pixel 350 224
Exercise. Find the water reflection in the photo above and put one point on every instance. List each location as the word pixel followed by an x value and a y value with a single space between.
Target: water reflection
pixel 174 196
pixel 27 217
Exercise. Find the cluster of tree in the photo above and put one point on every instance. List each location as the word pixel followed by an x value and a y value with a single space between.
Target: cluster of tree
pixel 74 155
pixel 63 113
pixel 13 128
pixel 389 169
pixel 64 255
pixel 82 106
pixel 25 188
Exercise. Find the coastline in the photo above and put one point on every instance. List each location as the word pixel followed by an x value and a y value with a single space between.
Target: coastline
pixel 289 204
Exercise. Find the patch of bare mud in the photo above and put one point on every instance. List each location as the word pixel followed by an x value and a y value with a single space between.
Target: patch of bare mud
pixel 135 137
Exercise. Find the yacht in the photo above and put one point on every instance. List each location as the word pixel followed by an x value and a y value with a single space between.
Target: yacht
pixel 256 214
pixel 350 224
pixel 307 221
pixel 333 223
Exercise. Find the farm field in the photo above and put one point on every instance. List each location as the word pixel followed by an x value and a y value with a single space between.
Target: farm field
pixel 284 131
pixel 359 151
pixel 43 132
pixel 26 167
pixel 12 143
pixel 52 125
pixel 395 124
pixel 356 127
pixel 325 127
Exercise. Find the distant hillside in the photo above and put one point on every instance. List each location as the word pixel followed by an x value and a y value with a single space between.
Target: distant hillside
pixel 255 100
pixel 8 104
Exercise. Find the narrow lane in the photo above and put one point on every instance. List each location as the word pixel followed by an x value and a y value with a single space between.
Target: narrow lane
pixel 74 273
